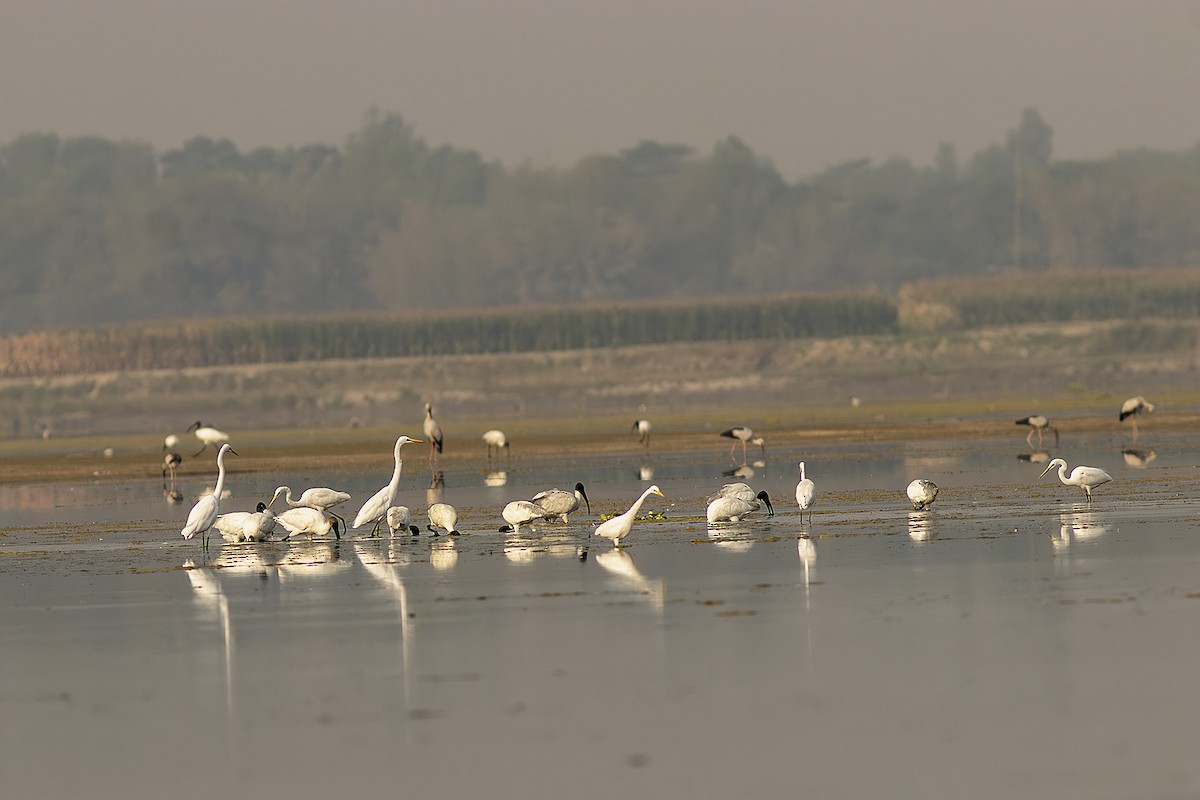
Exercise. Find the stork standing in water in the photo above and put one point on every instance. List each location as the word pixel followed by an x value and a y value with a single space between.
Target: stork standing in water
pixel 1133 408
pixel 1086 478
pixel 433 433
pixel 744 435
pixel 1038 423
pixel 642 429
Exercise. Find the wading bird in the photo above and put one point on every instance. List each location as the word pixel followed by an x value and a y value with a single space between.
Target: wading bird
pixel 744 435
pixel 806 492
pixel 433 433
pixel 207 435
pixel 1133 408
pixel 171 462
pixel 1086 478
pixel 1039 424
pixel 309 522
pixel 734 507
pixel 922 493
pixel 496 440
pixel 642 429
pixel 319 497
pixel 258 526
pixel 229 525
pixel 559 502
pixel 399 518
pixel 521 512
pixel 204 513
pixel 619 526
pixel 443 516
pixel 376 508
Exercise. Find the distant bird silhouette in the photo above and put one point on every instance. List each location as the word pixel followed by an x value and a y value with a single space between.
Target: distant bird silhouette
pixel 1038 424
pixel 433 433
pixel 642 429
pixel 744 435
pixel 1133 408
pixel 496 440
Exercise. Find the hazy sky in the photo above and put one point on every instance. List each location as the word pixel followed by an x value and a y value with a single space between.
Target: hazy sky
pixel 807 83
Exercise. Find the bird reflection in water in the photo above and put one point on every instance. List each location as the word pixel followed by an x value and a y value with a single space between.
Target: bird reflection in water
pixel 443 554
pixel 645 472
pixel 807 549
pixel 731 538
pixel 620 564
pixel 1077 526
pixel 381 559
pixel 495 479
pixel 1138 459
pixel 920 526
pixel 745 472
pixel 210 597
pixel 1035 457
pixel 522 548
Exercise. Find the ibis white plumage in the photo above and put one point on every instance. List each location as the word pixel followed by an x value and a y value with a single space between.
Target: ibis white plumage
pixel 207 435
pixel 376 508
pixel 806 492
pixel 559 502
pixel 202 516
pixel 1039 424
pixel 521 512
pixel 443 516
pixel 399 518
pixel 922 493
pixel 1086 478
pixel 319 497
pixel 309 522
pixel 733 506
pixel 619 526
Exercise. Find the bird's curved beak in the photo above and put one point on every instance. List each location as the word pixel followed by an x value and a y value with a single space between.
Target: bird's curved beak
pixel 770 508
pixel 583 494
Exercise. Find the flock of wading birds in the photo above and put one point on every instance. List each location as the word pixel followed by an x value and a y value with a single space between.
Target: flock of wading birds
pixel 311 513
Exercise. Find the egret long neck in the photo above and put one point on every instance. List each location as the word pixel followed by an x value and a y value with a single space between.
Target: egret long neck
pixel 637 504
pixel 288 497
pixel 220 487
pixel 1062 473
pixel 395 484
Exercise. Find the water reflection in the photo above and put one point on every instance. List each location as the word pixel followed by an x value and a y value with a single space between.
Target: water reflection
pixel 305 560
pixel 525 547
pixel 645 472
pixel 733 538
pixel 443 554
pixel 1077 526
pixel 495 479
pixel 209 597
pixel 920 526
pixel 1138 459
pixel 1035 457
pixel 620 564
pixel 380 559
pixel 807 549
pixel 745 472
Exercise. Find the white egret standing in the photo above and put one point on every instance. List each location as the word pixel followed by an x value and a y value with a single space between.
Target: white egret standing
pixel 619 526
pixel 399 518
pixel 496 440
pixel 204 513
pixel 734 507
pixel 744 435
pixel 559 503
pixel 319 497
pixel 806 492
pixel 207 435
pixel 642 429
pixel 922 493
pixel 444 516
pixel 1086 478
pixel 433 433
pixel 521 512
pixel 376 508
pixel 1039 424
pixel 1133 408
pixel 308 521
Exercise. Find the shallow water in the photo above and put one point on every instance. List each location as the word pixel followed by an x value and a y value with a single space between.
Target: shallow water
pixel 1012 641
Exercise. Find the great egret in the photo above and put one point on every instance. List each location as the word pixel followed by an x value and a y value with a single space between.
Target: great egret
pixel 1134 407
pixel 444 516
pixel 922 493
pixel 319 497
pixel 642 429
pixel 399 518
pixel 734 507
pixel 307 521
pixel 376 508
pixel 496 440
pixel 559 503
pixel 806 492
pixel 207 435
pixel 744 435
pixel 521 512
pixel 433 433
pixel 204 513
pixel 619 526
pixel 1086 478
pixel 229 525
pixel 1039 424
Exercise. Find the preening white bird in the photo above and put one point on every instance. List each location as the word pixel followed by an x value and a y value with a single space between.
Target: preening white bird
pixel 1039 424
pixel 619 526
pixel 746 436
pixel 204 513
pixel 433 433
pixel 207 435
pixel 735 507
pixel 1086 478
pixel 740 490
pixel 559 502
pixel 376 508
pixel 496 440
pixel 399 518
pixel 258 526
pixel 922 493
pixel 521 512
pixel 806 492
pixel 229 525
pixel 1133 408
pixel 642 429
pixel 443 516
pixel 310 522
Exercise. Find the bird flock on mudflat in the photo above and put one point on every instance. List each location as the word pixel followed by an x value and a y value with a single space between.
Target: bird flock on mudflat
pixel 312 514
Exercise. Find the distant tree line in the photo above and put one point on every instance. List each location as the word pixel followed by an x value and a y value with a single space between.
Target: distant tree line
pixel 94 231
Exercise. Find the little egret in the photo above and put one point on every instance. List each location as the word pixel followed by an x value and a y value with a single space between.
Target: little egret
pixel 376 508
pixel 1039 424
pixel 619 526
pixel 559 503
pixel 204 513
pixel 207 435
pixel 806 491
pixel 399 518
pixel 433 433
pixel 744 435
pixel 1133 408
pixel 495 440
pixel 521 512
pixel 642 429
pixel 922 493
pixel 735 507
pixel 310 522
pixel 443 516
pixel 1086 478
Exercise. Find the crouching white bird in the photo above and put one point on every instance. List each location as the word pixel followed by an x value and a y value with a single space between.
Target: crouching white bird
pixel 922 493
pixel 806 492
pixel 231 525
pixel 619 526
pixel 443 516
pixel 521 512
pixel 305 521
pixel 559 503
pixel 1086 478
pixel 734 501
pixel 376 508
pixel 204 514
pixel 399 518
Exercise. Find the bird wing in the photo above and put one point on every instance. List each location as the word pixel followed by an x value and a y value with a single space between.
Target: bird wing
pixel 201 517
